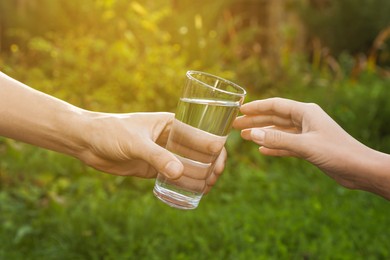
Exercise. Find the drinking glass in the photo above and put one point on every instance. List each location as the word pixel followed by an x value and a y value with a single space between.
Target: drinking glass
pixel 203 119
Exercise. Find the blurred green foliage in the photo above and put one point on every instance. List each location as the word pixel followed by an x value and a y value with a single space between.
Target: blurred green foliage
pixel 347 25
pixel 107 55
pixel 125 56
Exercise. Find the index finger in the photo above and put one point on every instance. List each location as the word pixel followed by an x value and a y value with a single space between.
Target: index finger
pixel 280 106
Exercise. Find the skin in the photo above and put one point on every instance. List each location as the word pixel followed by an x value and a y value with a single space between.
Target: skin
pixel 284 127
pixel 121 144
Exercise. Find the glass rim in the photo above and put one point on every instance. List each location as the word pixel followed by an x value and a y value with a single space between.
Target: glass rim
pixel 190 76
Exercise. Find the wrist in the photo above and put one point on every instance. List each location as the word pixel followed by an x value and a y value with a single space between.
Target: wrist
pixel 69 131
pixel 376 167
pixel 366 169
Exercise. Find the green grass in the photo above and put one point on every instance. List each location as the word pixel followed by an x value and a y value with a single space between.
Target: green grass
pixel 261 208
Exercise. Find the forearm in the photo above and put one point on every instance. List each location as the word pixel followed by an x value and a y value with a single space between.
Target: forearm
pixel 33 117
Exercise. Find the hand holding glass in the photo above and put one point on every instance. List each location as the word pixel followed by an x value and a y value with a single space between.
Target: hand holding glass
pixel 203 120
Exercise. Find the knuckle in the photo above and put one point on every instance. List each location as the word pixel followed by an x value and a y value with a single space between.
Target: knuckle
pixel 215 147
pixel 274 138
pixel 155 156
pixel 312 106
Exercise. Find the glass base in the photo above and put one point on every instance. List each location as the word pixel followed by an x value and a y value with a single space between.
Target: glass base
pixel 176 200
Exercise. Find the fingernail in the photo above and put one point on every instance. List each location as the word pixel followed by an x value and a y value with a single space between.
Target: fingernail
pixel 173 169
pixel 257 135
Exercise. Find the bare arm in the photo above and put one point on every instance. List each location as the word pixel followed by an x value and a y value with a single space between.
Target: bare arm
pixel 33 117
pixel 122 144
pixel 285 127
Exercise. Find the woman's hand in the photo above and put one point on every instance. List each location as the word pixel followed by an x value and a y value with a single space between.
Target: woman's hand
pixel 122 144
pixel 284 127
pixel 132 144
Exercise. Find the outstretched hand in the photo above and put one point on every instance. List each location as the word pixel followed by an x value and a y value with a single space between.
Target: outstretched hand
pixel 284 127
pixel 129 144
pixel 132 145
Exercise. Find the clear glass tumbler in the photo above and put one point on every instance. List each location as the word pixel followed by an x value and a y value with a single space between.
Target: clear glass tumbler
pixel 203 120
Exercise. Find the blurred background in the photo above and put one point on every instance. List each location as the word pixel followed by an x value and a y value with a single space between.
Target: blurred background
pixel 128 56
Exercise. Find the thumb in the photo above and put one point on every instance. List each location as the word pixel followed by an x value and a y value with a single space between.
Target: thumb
pixel 162 160
pixel 276 139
